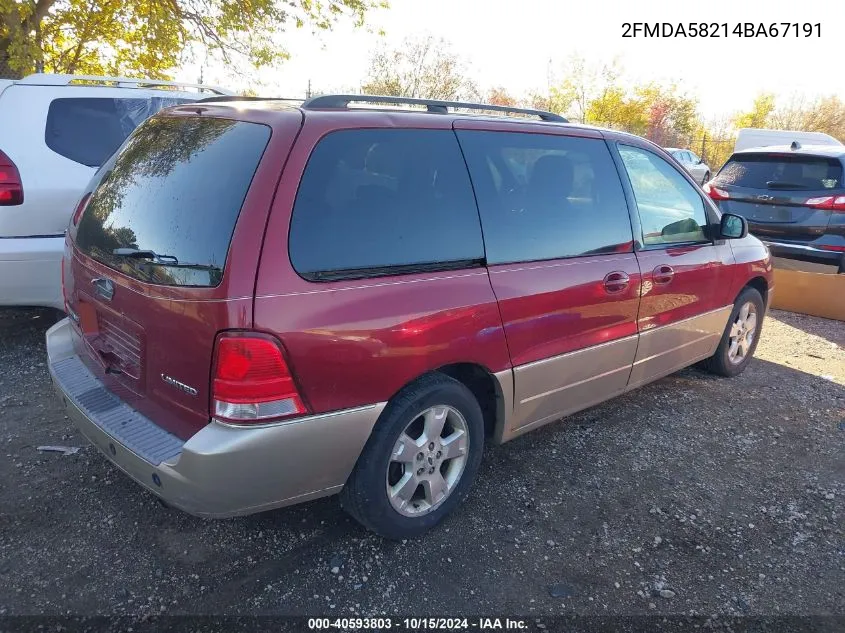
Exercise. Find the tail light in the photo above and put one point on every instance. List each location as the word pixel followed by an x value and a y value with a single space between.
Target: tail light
pixel 11 187
pixel 715 193
pixel 829 203
pixel 80 208
pixel 252 381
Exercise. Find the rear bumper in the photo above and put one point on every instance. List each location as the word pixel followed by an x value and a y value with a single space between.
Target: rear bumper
pixel 804 252
pixel 222 470
pixel 30 271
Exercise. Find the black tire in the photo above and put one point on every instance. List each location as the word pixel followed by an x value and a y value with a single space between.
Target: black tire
pixel 720 362
pixel 841 270
pixel 706 177
pixel 365 495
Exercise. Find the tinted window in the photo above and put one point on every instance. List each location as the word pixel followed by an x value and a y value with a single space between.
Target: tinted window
pixel 88 131
pixel 670 208
pixel 174 190
pixel 546 197
pixel 773 171
pixel 374 201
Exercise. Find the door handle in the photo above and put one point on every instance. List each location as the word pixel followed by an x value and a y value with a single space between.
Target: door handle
pixel 616 282
pixel 663 274
pixel 104 287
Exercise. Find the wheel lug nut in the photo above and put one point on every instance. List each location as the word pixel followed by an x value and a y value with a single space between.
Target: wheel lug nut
pixel 431 470
pixel 420 457
pixel 420 471
pixel 438 454
pixel 431 446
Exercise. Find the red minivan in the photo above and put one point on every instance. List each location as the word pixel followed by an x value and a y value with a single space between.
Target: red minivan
pixel 269 304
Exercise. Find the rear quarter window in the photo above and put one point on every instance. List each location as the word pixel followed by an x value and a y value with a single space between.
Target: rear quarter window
pixel 88 130
pixel 172 196
pixel 784 172
pixel 384 201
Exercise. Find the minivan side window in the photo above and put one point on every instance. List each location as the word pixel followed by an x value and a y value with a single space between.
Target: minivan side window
pixel 545 196
pixel 384 201
pixel 671 210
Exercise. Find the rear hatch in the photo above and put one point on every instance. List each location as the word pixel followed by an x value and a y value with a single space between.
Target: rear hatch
pixel 785 197
pixel 150 277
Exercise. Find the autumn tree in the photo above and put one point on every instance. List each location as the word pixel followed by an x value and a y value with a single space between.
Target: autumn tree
pixel 501 97
pixel 760 112
pixel 825 114
pixel 578 85
pixel 670 115
pixel 422 68
pixel 149 38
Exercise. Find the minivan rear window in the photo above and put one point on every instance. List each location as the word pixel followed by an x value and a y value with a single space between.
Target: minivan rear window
pixel 166 205
pixel 88 130
pixel 781 172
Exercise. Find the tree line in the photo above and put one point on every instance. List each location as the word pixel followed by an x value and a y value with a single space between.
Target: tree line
pixel 149 38
pixel 597 94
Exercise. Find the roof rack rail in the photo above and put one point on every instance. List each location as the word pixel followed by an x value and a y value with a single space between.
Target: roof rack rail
pixel 228 97
pixel 49 79
pixel 331 102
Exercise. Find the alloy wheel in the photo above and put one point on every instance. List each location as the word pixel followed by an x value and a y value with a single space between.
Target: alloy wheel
pixel 743 331
pixel 427 460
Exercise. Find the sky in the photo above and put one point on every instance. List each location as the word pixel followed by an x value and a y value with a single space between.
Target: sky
pixel 516 44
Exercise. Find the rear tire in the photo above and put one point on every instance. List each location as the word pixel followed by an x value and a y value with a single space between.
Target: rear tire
pixel 420 460
pixel 741 335
pixel 841 270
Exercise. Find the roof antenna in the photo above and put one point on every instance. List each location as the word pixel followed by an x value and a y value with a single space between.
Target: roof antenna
pixel 795 145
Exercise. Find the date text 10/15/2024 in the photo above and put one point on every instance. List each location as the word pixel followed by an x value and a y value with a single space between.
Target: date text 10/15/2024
pixel 417 624
pixel 721 29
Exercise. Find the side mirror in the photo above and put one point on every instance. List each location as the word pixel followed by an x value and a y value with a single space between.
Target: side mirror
pixel 700 161
pixel 733 227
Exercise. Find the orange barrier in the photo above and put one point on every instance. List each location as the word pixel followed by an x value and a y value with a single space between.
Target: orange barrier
pixel 816 294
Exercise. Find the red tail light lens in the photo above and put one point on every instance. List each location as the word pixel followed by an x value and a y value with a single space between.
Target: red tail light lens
pixel 715 193
pixel 252 381
pixel 11 187
pixel 831 203
pixel 80 208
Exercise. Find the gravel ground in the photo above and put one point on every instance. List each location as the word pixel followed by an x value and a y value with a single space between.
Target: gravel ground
pixel 692 495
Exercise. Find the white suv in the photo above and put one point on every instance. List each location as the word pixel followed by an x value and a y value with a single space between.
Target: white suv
pixel 55 131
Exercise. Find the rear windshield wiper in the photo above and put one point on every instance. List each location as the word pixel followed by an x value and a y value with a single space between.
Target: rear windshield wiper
pixel 178 265
pixel 778 184
pixel 136 253
pixel 154 259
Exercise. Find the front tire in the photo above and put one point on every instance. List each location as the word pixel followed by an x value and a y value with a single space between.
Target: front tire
pixel 741 335
pixel 420 460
